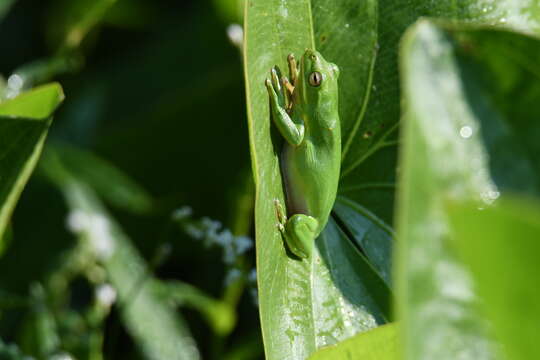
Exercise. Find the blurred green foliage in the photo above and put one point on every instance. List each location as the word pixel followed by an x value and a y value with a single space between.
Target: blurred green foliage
pixel 154 121
pixel 133 238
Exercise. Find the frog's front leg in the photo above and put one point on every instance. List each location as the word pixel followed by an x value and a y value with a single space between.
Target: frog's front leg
pixel 299 231
pixel 292 131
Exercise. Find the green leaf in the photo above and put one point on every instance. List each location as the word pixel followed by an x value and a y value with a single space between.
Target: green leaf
pixel 219 315
pixel 436 300
pixel 369 135
pixel 230 11
pixel 382 113
pixel 5 5
pixel 500 244
pixel 6 239
pixel 71 21
pixel 110 183
pixel 372 156
pixel 370 233
pixel 157 329
pixel 466 138
pixel 160 332
pixel 39 334
pixel 11 352
pixel 38 104
pixel 376 344
pixel 24 122
pixel 39 71
pixel 305 305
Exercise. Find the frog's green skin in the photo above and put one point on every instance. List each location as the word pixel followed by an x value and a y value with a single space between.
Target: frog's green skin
pixel 306 113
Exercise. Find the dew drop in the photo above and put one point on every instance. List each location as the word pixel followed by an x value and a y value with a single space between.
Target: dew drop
pixel 494 195
pixel 235 33
pixel 465 132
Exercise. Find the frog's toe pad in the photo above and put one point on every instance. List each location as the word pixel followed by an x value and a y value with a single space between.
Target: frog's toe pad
pixel 300 234
pixel 303 223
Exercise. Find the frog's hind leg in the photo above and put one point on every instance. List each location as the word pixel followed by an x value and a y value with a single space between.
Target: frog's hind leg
pixel 300 233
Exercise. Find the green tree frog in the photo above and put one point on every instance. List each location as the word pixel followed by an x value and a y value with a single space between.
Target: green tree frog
pixel 305 111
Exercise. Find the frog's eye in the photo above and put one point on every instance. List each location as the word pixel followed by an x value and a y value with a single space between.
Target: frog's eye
pixel 315 78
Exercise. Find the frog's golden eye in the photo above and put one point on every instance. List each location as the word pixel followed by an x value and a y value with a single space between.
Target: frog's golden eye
pixel 315 78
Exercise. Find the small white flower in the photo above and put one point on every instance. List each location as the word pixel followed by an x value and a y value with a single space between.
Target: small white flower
pixel 77 221
pixel 15 82
pixel 243 244
pixel 99 233
pixel 106 294
pixel 182 213
pixel 194 232
pixel 96 228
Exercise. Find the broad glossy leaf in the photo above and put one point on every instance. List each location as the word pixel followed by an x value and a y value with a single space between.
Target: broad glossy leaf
pixel 436 299
pixel 305 305
pixel 368 171
pixel 372 156
pixel 341 292
pixel 24 122
pixel 370 233
pixel 382 113
pixel 500 245
pixel 465 139
pixel 377 344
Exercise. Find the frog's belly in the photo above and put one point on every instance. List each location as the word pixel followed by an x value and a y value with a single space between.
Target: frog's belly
pixel 310 187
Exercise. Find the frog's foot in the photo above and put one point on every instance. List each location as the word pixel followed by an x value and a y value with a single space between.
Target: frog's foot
pixel 275 89
pixel 293 69
pixel 281 216
pixel 300 233
pixel 289 89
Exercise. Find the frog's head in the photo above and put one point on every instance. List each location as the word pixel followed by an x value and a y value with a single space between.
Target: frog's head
pixel 318 78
